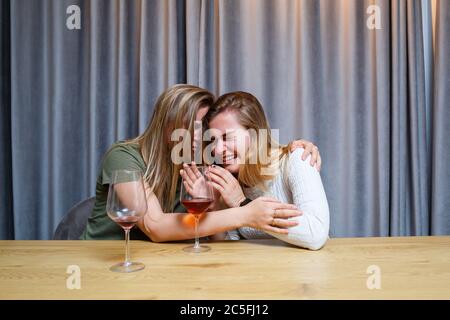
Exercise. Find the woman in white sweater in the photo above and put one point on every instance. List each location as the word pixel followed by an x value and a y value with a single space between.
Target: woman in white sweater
pixel 300 184
pixel 245 172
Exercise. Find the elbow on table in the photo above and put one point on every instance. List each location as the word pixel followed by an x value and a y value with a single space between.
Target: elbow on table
pixel 308 235
pixel 318 232
pixel 152 233
pixel 313 241
pixel 318 242
pixel 156 238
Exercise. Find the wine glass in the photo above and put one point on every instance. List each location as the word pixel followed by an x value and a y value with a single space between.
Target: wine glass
pixel 196 196
pixel 126 205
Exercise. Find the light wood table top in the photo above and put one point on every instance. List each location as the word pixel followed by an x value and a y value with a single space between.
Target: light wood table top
pixel 411 268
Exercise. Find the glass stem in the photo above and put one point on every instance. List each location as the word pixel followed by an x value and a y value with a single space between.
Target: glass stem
pixel 197 242
pixel 127 247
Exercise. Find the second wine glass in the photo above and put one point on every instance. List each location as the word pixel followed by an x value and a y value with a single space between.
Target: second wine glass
pixel 196 196
pixel 126 205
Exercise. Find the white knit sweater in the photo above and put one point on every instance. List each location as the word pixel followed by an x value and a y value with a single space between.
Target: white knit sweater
pixel 298 183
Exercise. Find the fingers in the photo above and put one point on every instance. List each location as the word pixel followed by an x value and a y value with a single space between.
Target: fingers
pixel 314 155
pixel 186 178
pixel 189 171
pixel 313 150
pixel 283 223
pixel 223 173
pixel 218 187
pixel 308 150
pixel 217 178
pixel 319 163
pixel 297 144
pixel 276 230
pixel 188 187
pixel 282 206
pixel 269 199
pixel 283 215
pixel 226 174
pixel 288 213
pixel 195 171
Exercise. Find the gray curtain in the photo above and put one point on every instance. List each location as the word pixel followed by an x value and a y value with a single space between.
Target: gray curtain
pixel 362 95
pixel 7 218
pixel 440 192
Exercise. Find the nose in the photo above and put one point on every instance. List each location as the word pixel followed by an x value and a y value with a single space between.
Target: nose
pixel 197 131
pixel 219 147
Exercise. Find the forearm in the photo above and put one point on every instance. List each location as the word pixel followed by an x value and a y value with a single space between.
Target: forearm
pixel 218 236
pixel 311 233
pixel 172 226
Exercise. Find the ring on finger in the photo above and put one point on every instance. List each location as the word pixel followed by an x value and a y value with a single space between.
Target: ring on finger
pixel 273 222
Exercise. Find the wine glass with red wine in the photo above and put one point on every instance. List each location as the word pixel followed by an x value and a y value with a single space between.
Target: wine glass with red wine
pixel 126 205
pixel 196 196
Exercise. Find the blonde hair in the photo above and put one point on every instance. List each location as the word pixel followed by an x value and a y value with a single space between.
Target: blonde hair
pixel 250 115
pixel 176 108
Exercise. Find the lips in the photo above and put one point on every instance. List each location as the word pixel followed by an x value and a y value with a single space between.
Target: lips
pixel 229 158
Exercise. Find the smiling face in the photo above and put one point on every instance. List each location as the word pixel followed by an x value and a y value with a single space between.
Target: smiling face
pixel 243 138
pixel 231 140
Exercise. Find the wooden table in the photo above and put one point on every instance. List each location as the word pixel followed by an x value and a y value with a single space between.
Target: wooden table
pixel 411 267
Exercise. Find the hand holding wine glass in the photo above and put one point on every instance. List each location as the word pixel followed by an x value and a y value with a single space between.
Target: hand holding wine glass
pixel 126 205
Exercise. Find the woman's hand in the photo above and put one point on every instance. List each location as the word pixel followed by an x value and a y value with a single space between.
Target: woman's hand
pixel 228 186
pixel 193 181
pixel 269 214
pixel 310 149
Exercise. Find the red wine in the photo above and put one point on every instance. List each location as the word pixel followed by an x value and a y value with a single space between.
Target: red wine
pixel 127 222
pixel 197 206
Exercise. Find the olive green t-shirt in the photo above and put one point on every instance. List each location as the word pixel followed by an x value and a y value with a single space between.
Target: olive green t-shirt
pixel 120 156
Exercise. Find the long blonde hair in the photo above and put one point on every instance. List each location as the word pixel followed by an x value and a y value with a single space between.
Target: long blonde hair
pixel 176 108
pixel 250 115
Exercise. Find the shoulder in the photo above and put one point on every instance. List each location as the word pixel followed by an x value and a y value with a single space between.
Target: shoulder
pixel 294 165
pixel 294 158
pixel 123 155
pixel 297 153
pixel 122 149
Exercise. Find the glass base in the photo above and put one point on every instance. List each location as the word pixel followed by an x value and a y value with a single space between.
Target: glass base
pixel 129 267
pixel 198 249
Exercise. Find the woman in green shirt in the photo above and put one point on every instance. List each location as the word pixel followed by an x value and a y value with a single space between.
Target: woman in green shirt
pixel 176 108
